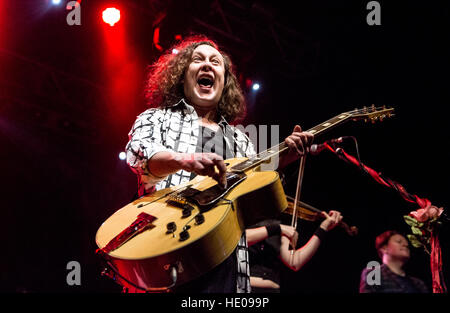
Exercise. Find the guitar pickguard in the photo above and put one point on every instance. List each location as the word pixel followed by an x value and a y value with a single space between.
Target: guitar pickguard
pixel 208 197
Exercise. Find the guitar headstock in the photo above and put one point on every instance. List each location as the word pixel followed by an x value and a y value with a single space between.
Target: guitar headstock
pixel 372 113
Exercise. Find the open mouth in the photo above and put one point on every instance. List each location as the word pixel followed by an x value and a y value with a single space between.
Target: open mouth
pixel 205 81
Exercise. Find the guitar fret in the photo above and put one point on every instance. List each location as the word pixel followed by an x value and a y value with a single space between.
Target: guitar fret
pixel 356 114
pixel 318 129
pixel 328 124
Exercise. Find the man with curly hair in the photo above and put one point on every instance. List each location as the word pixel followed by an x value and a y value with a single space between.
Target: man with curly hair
pixel 193 95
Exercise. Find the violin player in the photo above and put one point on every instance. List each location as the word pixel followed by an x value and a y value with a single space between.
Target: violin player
pixel 270 247
pixel 393 249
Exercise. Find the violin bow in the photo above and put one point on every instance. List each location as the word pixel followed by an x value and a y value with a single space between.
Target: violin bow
pixel 296 201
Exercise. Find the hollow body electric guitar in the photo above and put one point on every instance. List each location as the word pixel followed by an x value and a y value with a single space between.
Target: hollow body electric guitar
pixel 176 234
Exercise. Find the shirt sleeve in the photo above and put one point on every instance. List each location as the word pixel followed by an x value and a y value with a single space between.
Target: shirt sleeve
pixel 146 138
pixel 250 150
pixel 245 145
pixel 420 284
pixel 364 287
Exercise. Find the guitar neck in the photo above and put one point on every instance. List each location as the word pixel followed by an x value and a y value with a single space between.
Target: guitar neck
pixel 280 148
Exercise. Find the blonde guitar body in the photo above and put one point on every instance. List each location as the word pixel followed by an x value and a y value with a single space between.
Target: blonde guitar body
pixel 146 259
pixel 145 250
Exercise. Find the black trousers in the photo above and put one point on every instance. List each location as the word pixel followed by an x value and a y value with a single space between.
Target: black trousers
pixel 221 279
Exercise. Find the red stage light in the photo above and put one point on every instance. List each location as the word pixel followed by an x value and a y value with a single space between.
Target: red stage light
pixel 111 16
pixel 156 39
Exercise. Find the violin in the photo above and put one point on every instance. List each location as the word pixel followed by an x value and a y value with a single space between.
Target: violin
pixel 310 213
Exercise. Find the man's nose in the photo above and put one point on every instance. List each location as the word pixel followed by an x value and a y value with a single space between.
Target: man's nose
pixel 206 66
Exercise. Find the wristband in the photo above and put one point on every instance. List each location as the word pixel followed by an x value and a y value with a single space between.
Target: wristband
pixel 321 233
pixel 273 229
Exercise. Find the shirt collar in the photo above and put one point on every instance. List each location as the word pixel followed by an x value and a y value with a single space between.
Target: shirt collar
pixel 223 121
pixel 190 109
pixel 184 106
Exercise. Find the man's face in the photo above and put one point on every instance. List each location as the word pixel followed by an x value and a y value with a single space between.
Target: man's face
pixel 397 247
pixel 205 77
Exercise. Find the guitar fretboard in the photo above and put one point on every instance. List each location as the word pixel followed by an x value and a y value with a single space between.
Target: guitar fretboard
pixel 271 152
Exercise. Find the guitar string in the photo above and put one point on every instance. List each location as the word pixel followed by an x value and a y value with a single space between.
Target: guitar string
pixel 282 146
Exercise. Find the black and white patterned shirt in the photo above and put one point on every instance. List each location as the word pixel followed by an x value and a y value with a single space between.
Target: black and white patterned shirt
pixel 176 128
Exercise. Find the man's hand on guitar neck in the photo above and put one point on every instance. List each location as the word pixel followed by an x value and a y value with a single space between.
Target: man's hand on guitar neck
pixel 299 143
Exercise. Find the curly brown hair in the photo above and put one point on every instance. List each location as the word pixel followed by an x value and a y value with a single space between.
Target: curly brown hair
pixel 164 85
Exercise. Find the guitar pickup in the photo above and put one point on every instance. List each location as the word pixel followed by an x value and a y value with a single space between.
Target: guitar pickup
pixel 181 198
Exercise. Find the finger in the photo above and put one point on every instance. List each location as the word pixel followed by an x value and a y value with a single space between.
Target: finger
pixel 306 138
pixel 292 145
pixel 325 214
pixel 309 137
pixel 297 128
pixel 210 171
pixel 207 159
pixel 334 214
pixel 299 142
pixel 218 161
pixel 198 168
pixel 218 178
pixel 338 218
pixel 222 171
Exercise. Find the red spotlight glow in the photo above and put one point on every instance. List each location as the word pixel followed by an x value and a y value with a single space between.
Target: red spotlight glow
pixel 111 16
pixel 156 39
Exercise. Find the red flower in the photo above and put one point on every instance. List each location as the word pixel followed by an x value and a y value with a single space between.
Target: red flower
pixel 426 213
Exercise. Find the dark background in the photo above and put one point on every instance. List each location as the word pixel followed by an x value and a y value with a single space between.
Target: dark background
pixel 68 102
